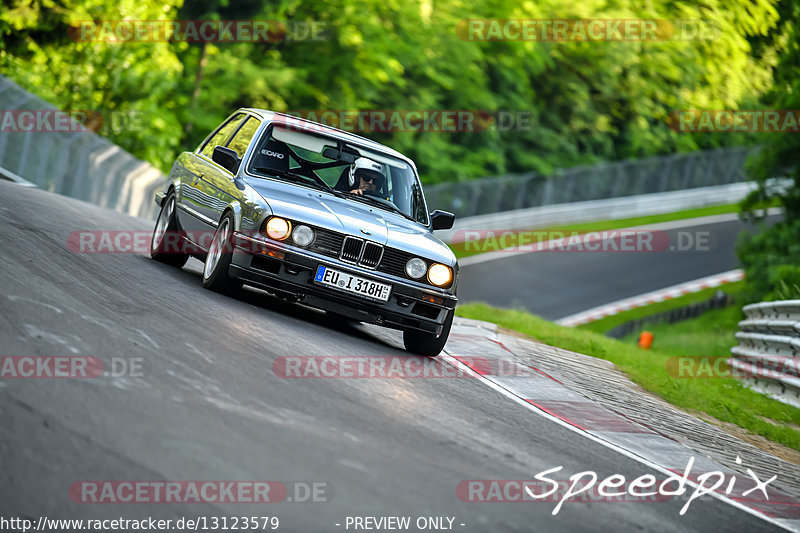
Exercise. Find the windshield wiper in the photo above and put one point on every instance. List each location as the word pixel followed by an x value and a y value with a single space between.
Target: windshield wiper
pixel 300 178
pixel 382 203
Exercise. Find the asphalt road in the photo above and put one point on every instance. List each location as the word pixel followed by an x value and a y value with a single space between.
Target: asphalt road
pixel 208 406
pixel 560 283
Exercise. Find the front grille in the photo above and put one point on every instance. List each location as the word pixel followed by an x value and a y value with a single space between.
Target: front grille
pixel 351 249
pixel 354 250
pixel 372 255
pixel 327 242
pixel 394 262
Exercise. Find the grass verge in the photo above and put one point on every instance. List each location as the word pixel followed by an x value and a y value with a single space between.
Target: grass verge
pixel 466 249
pixel 709 335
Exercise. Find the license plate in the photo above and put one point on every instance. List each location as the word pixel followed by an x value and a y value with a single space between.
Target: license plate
pixel 353 284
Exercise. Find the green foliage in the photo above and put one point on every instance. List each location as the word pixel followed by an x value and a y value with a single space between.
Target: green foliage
pixel 765 255
pixel 786 280
pixel 779 156
pixel 134 80
pixel 586 101
pixel 770 258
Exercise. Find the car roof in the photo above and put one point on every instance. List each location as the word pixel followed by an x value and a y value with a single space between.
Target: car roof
pixel 331 131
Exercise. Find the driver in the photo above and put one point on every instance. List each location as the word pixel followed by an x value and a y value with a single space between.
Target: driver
pixel 366 177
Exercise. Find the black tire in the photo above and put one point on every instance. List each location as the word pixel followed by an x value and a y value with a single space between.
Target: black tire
pixel 165 244
pixel 218 260
pixel 428 344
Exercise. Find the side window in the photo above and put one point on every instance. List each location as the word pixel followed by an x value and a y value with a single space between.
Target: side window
pixel 223 135
pixel 242 139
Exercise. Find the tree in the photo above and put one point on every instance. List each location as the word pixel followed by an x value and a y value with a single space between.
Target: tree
pixel 770 258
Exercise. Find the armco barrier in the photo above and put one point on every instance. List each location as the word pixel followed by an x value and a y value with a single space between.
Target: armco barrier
pixel 768 354
pixel 80 164
pixel 720 300
pixel 594 210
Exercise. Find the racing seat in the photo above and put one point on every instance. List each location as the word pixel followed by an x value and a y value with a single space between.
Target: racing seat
pixel 273 155
pixel 343 184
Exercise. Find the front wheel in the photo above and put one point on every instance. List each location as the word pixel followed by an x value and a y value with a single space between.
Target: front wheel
pixel 428 344
pixel 218 260
pixel 166 242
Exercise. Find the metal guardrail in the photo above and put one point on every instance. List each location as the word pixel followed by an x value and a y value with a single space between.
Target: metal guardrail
pixel 768 354
pixel 80 163
pixel 720 300
pixel 594 210
pixel 657 174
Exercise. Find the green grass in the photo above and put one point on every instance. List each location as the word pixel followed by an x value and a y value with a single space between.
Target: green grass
pixel 709 335
pixel 603 325
pixel 712 333
pixel 480 246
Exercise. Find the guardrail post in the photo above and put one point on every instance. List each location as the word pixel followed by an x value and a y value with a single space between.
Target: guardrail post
pixel 767 355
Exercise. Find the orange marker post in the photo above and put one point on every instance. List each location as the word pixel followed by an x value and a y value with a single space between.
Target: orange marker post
pixel 645 340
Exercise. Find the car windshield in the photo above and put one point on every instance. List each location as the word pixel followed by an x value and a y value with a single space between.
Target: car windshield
pixel 345 169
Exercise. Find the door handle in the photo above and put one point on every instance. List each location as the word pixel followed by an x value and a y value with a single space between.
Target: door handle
pixel 198 177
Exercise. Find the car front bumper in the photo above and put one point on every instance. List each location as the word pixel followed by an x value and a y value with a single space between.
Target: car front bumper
pixel 289 272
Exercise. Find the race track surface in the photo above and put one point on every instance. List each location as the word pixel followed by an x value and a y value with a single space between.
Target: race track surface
pixel 559 283
pixel 208 405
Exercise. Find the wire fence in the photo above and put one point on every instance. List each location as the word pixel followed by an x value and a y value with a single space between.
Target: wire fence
pixel 706 168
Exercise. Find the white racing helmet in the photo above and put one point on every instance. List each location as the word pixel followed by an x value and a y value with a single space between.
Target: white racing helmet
pixel 367 167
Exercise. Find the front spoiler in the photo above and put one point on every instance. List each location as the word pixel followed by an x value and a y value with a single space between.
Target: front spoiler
pixel 408 307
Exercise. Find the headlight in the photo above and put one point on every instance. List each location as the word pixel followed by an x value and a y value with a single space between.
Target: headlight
pixel 440 275
pixel 278 228
pixel 415 268
pixel 303 235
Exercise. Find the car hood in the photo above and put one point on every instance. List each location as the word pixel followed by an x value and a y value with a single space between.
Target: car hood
pixel 351 217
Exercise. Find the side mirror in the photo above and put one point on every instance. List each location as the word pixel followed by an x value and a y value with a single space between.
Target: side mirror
pixel 226 158
pixel 442 219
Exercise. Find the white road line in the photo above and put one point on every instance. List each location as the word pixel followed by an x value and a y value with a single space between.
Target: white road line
pixel 502 390
pixel 14 298
pixel 150 340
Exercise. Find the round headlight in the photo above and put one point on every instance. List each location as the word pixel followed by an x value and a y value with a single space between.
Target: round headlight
pixel 278 228
pixel 415 268
pixel 303 235
pixel 439 274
